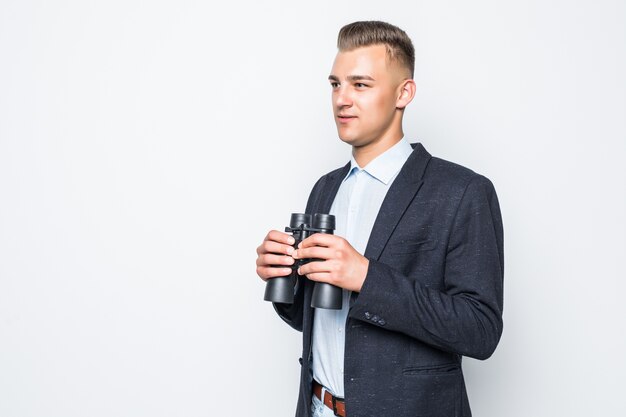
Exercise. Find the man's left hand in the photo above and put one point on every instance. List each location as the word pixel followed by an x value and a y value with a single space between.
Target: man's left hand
pixel 336 261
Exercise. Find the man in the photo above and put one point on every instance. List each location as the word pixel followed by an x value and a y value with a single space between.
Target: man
pixel 418 251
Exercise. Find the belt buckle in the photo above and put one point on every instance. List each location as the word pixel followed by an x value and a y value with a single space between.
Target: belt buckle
pixel 334 401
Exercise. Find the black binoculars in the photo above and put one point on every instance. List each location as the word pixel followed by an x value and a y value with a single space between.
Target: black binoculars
pixel 281 289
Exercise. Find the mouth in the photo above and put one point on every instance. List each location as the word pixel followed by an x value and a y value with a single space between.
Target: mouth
pixel 345 118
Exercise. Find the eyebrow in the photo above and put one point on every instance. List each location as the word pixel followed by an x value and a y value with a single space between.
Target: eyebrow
pixel 352 78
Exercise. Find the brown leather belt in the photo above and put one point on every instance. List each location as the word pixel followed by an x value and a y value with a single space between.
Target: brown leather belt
pixel 336 404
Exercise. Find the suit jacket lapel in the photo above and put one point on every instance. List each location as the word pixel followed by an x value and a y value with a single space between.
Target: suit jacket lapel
pixel 400 194
pixel 402 191
pixel 329 190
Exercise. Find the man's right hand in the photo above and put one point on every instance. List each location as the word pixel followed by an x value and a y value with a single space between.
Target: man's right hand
pixel 274 255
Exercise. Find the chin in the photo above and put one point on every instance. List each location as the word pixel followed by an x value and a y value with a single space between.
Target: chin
pixel 348 140
pixel 352 139
pixel 347 137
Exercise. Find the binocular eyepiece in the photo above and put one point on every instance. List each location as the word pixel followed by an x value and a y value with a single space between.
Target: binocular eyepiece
pixel 281 289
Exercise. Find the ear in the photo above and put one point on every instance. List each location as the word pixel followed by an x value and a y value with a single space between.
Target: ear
pixel 406 92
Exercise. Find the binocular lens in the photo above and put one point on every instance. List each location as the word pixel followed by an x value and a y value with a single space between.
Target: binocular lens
pixel 298 219
pixel 324 221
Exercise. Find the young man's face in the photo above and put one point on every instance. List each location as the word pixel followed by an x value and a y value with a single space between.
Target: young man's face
pixel 366 88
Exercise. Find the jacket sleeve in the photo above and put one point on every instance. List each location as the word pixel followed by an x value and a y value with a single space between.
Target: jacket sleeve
pixel 463 316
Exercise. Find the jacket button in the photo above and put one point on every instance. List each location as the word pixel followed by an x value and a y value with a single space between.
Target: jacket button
pixel 382 322
pixel 375 318
pixel 367 315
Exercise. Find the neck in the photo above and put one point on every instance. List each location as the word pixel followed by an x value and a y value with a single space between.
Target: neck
pixel 365 154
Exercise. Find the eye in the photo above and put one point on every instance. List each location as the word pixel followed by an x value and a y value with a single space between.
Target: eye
pixel 360 85
pixel 334 84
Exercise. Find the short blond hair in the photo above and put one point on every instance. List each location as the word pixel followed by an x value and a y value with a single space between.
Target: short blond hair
pixel 366 33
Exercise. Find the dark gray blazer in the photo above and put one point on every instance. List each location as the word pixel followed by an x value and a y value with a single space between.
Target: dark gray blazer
pixel 432 294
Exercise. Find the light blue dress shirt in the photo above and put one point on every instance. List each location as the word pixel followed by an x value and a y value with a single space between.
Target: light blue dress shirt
pixel 355 207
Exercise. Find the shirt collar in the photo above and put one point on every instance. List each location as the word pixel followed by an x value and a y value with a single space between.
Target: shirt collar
pixel 386 165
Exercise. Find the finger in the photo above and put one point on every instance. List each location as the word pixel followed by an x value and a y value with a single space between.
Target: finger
pixel 280 237
pixel 272 259
pixel 320 277
pixel 315 267
pixel 317 252
pixel 319 239
pixel 269 246
pixel 268 272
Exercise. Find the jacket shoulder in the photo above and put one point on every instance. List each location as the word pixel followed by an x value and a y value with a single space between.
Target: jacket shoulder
pixel 450 172
pixel 444 173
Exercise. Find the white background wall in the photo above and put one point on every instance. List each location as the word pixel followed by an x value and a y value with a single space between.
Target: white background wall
pixel 146 147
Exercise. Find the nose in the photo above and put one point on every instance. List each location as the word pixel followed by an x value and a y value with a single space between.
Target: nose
pixel 342 97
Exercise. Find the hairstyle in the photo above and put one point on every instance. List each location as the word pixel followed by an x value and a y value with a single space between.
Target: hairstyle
pixel 398 44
